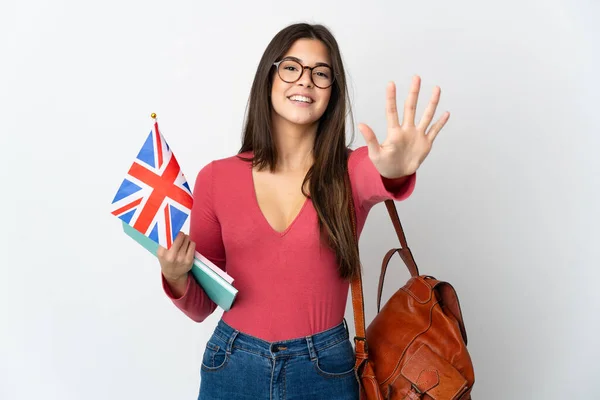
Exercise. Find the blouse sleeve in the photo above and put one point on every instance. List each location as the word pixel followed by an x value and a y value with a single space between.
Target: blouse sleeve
pixel 205 231
pixel 370 187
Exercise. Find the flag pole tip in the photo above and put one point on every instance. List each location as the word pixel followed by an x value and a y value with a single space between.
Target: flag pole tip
pixel 153 115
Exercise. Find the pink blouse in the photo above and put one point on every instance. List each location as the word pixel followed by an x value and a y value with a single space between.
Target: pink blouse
pixel 287 281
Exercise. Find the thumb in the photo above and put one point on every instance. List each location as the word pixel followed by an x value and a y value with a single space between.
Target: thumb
pixel 370 139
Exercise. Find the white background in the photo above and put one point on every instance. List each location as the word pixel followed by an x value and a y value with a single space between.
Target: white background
pixel 505 208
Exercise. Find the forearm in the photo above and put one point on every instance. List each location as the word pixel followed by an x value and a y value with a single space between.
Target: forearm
pixel 177 286
pixel 189 297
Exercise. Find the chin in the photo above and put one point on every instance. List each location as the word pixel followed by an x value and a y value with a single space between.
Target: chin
pixel 301 118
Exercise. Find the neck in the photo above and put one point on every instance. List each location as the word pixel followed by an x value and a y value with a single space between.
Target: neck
pixel 294 145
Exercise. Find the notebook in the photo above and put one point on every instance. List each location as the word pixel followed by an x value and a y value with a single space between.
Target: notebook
pixel 216 283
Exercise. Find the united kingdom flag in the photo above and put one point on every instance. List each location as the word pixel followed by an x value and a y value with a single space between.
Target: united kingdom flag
pixel 154 197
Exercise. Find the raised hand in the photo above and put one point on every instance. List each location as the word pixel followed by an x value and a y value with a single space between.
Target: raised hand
pixel 406 145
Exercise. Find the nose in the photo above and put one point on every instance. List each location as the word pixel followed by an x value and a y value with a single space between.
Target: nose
pixel 306 79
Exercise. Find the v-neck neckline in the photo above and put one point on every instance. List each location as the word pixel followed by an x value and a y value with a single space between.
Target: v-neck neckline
pixel 262 215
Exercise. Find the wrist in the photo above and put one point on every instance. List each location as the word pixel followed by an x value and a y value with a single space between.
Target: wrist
pixel 176 280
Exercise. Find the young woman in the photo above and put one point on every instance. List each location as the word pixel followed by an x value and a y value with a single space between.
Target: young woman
pixel 276 217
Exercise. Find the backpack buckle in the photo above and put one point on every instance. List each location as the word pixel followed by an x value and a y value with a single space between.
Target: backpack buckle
pixel 364 339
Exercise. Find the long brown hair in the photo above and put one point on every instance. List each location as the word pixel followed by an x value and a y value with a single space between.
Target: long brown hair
pixel 326 177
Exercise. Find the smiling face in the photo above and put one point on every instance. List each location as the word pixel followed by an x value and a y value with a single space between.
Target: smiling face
pixel 301 102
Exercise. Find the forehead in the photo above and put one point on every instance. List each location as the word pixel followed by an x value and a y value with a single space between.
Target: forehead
pixel 309 52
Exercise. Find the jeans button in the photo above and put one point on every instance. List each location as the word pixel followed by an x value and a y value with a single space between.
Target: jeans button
pixel 275 349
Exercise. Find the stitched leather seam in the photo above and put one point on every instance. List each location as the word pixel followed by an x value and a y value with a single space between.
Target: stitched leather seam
pixel 408 345
pixel 416 298
pixel 459 390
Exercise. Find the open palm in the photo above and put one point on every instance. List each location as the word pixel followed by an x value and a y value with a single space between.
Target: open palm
pixel 406 145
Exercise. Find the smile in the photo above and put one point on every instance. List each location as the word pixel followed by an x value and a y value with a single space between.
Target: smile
pixel 301 99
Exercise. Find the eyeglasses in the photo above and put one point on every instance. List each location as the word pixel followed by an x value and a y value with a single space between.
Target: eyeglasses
pixel 291 71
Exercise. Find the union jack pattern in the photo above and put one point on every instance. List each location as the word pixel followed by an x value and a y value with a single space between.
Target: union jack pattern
pixel 154 198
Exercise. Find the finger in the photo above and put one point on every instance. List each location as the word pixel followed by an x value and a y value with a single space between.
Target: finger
pixel 430 111
pixel 178 242
pixel 437 127
pixel 184 246
pixel 191 251
pixel 370 139
pixel 181 256
pixel 410 105
pixel 391 108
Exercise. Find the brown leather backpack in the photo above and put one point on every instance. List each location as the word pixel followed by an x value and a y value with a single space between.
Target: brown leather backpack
pixel 415 347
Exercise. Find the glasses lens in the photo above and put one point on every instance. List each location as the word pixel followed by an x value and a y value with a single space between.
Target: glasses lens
pixel 290 70
pixel 322 76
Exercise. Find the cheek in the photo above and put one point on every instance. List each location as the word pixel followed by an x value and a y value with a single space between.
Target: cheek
pixel 325 102
pixel 275 88
pixel 278 90
pixel 277 99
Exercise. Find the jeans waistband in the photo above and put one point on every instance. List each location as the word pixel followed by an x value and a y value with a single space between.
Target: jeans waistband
pixel 297 346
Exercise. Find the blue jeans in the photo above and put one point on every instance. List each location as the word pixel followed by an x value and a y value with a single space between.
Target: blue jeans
pixel 236 365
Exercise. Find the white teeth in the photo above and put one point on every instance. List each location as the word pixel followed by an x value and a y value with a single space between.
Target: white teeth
pixel 301 98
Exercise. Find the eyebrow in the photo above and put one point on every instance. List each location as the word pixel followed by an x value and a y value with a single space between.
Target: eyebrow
pixel 300 61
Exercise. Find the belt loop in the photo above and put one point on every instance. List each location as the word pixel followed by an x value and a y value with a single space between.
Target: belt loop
pixel 346 326
pixel 311 348
pixel 230 341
